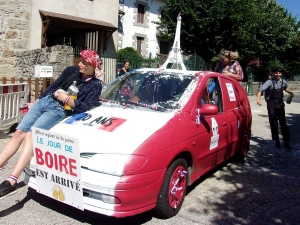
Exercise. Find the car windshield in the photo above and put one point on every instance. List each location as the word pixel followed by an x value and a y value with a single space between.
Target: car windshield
pixel 159 90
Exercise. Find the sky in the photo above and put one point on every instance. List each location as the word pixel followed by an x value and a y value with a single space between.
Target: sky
pixel 292 6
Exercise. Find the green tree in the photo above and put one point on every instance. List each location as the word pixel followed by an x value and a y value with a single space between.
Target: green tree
pixel 257 29
pixel 291 56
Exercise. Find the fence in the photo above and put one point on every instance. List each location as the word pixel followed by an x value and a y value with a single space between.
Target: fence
pixel 192 62
pixel 11 92
pixel 36 86
pixel 10 97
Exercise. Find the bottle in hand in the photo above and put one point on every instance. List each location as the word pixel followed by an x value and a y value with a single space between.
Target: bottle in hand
pixel 289 99
pixel 72 92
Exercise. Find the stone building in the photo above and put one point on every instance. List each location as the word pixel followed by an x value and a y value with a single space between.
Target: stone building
pixel 52 32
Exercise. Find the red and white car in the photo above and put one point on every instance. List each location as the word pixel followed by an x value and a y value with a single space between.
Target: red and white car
pixel 155 133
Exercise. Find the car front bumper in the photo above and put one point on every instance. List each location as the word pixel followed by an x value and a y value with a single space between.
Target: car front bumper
pixel 132 194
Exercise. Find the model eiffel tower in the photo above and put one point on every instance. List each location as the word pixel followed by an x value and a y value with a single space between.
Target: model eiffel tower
pixel 175 57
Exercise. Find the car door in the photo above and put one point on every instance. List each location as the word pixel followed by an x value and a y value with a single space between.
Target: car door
pixel 232 111
pixel 245 119
pixel 211 130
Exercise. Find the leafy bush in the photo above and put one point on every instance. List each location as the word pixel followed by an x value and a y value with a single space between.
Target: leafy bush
pixel 129 54
pixel 127 50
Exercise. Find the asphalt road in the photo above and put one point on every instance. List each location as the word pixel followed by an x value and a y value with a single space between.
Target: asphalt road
pixel 264 189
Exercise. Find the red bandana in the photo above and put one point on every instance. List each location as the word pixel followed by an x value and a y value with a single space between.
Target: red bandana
pixel 91 57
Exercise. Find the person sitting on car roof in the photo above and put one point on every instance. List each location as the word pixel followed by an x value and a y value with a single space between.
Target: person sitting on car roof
pixel 229 66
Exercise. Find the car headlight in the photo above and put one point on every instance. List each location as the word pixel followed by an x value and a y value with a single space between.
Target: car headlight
pixel 114 164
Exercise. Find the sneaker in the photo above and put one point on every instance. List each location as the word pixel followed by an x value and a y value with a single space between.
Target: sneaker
pixel 287 146
pixel 6 187
pixel 277 144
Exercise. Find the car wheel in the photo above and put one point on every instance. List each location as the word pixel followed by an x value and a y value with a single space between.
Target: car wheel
pixel 173 189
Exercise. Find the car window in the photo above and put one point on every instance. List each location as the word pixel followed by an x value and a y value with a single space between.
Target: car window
pixel 211 94
pixel 230 95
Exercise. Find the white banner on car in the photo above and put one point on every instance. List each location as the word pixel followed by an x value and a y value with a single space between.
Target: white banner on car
pixel 214 140
pixel 230 92
pixel 58 170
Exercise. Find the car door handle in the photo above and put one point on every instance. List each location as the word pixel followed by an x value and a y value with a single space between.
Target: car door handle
pixel 224 124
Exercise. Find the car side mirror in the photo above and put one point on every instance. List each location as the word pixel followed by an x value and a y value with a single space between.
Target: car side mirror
pixel 205 110
pixel 209 109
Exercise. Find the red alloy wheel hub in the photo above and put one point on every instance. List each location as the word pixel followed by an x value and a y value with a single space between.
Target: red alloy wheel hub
pixel 177 187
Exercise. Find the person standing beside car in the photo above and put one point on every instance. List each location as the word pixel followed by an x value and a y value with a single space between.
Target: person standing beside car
pixel 49 109
pixel 273 90
pixel 125 68
pixel 229 66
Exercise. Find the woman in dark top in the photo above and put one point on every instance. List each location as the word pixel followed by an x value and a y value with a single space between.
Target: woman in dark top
pixel 125 68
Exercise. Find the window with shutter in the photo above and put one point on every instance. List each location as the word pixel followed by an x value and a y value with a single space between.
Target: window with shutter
pixel 141 13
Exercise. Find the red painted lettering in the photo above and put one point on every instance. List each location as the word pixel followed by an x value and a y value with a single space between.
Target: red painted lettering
pixel 49 160
pixel 63 162
pixel 59 162
pixel 39 156
pixel 71 161
pixel 55 162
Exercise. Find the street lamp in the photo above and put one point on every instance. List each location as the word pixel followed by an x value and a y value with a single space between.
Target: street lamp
pixel 252 63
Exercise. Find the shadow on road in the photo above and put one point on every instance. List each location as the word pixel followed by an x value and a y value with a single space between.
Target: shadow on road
pixel 19 204
pixel 266 186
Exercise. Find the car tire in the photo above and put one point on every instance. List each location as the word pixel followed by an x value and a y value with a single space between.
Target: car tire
pixel 173 189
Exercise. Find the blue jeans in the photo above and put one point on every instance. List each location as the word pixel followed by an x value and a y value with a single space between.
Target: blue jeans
pixel 44 114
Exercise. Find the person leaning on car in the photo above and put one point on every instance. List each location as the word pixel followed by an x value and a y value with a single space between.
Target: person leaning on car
pixel 273 89
pixel 49 110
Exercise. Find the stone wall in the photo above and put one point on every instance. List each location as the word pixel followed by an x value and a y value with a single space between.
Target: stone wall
pixel 15 18
pixel 58 56
pixel 293 85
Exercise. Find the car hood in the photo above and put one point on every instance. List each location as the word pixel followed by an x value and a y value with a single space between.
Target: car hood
pixel 112 130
